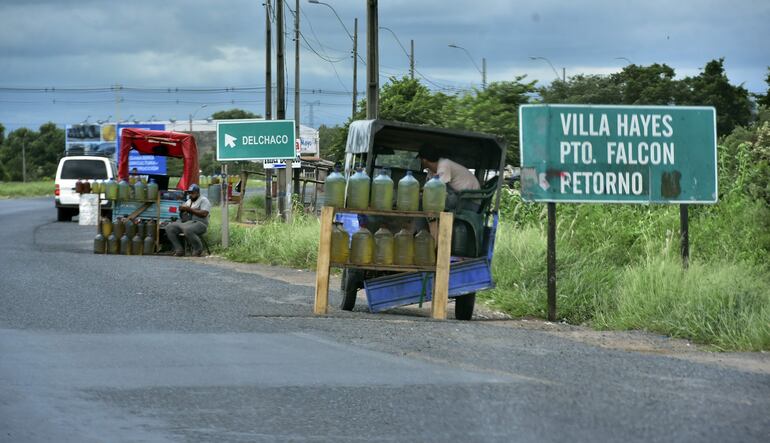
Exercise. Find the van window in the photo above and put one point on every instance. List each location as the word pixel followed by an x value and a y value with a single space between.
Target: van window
pixel 87 169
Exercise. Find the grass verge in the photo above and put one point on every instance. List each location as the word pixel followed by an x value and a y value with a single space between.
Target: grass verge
pixel 29 189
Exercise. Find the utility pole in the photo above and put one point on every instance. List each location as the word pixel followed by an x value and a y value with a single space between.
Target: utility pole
pixel 24 158
pixel 297 171
pixel 372 60
pixel 283 174
pixel 355 67
pixel 311 116
pixel 268 104
pixel 411 60
pixel 483 73
pixel 268 64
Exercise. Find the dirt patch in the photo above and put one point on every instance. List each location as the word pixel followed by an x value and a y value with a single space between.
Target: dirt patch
pixel 630 341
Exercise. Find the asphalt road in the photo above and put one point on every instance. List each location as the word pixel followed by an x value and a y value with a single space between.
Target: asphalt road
pixel 111 348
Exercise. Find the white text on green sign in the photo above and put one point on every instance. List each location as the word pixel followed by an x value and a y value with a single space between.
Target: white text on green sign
pixel 255 139
pixel 643 154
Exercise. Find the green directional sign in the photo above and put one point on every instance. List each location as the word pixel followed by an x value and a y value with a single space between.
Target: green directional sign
pixel 618 154
pixel 255 140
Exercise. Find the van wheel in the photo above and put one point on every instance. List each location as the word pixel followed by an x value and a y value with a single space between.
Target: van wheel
pixel 464 306
pixel 351 279
pixel 63 214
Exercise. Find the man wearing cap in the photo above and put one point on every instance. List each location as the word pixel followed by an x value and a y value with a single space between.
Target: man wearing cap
pixel 195 212
pixel 456 176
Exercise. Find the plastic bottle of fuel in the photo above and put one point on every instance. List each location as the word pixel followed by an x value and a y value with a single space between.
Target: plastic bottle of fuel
pixel 362 247
pixel 106 227
pixel 100 244
pixel 137 245
pixel 383 247
pixel 434 195
pixel 358 189
pixel 404 248
pixel 124 190
pixel 140 191
pixel 152 190
pixel 113 244
pixel 118 228
pixel 149 229
pixel 125 245
pixel 340 244
pixel 424 249
pixel 382 192
pixel 112 189
pixel 408 195
pixel 334 189
pixel 149 246
pixel 129 228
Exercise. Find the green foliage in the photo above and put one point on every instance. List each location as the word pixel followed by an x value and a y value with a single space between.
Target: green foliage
pixel 655 85
pixel 712 88
pixel 43 149
pixel 332 142
pixel 744 161
pixel 724 304
pixel 646 85
pixel 764 99
pixel 495 111
pixel 233 114
pixel 582 89
pixel 29 189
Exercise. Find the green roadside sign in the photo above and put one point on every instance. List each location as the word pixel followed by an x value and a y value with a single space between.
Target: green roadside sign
pixel 255 140
pixel 618 154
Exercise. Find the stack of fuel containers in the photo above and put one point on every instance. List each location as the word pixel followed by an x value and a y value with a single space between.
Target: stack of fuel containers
pixel 404 248
pixel 125 236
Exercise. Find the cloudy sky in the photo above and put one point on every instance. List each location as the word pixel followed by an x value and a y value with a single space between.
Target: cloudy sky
pixel 172 57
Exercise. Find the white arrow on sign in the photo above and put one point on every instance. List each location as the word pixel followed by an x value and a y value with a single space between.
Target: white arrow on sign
pixel 229 141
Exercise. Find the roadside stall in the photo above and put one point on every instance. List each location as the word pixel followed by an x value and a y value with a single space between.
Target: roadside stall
pixel 386 225
pixel 142 207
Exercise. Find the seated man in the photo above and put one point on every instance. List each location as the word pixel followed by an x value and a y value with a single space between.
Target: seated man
pixel 195 213
pixel 456 176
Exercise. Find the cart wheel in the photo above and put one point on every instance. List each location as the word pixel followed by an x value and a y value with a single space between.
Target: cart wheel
pixel 464 306
pixel 351 279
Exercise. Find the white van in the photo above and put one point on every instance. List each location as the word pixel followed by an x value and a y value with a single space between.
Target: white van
pixel 70 170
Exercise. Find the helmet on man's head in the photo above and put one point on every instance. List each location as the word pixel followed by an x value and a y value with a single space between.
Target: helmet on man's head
pixel 194 188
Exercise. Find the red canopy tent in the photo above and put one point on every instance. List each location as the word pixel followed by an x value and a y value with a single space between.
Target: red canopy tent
pixel 166 143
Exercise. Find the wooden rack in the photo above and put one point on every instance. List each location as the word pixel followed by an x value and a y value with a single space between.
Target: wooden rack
pixel 444 243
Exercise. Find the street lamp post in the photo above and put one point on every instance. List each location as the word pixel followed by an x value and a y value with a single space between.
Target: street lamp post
pixel 625 59
pixel 193 114
pixel 354 38
pixel 482 71
pixel 563 74
pixel 409 55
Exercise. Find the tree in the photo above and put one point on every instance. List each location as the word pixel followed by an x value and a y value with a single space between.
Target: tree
pixel 405 100
pixel 712 88
pixel 234 114
pixel 329 139
pixel 494 110
pixel 764 100
pixel 582 89
pixel 646 85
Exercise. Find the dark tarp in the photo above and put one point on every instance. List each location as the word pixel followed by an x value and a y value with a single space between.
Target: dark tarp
pixel 165 143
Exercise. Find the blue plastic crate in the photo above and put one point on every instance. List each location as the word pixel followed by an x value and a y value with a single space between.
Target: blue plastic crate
pixel 404 289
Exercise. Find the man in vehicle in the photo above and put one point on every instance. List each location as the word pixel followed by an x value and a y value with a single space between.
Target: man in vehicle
pixel 193 223
pixel 456 176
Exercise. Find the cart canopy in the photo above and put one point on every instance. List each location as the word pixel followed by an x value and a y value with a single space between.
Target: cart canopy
pixel 472 149
pixel 165 143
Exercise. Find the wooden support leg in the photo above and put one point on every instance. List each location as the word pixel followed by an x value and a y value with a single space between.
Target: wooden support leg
pixel 321 306
pixel 441 281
